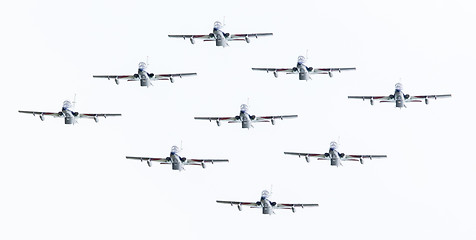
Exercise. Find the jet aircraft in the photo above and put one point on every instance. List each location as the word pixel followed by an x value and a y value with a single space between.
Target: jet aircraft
pixel 144 77
pixel 303 70
pixel 69 115
pixel 177 162
pixel 267 205
pixel 221 38
pixel 335 156
pixel 399 98
pixel 245 118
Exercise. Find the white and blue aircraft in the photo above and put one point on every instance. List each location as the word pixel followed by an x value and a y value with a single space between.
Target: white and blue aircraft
pixel 334 156
pixel 303 70
pixel 399 98
pixel 144 77
pixel 267 205
pixel 245 118
pixel 176 160
pixel 221 38
pixel 69 115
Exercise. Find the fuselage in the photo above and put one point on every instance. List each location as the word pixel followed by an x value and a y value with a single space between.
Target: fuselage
pixel 219 35
pixel 245 117
pixel 67 112
pixel 176 160
pixel 144 78
pixel 220 38
pixel 302 69
pixel 399 98
pixel 334 156
pixel 266 205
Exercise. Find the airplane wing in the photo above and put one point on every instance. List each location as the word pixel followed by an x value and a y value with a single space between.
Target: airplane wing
pixel 161 160
pixel 380 98
pixel 358 157
pixel 431 96
pixel 125 77
pixel 207 160
pixel 207 36
pixel 249 204
pixel 318 155
pixel 282 117
pixel 95 115
pixel 168 76
pixel 295 205
pixel 214 118
pixel 287 70
pixel 54 114
pixel 247 35
pixel 327 70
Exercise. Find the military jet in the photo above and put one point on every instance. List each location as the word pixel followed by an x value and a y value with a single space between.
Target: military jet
pixel 144 77
pixel 399 98
pixel 245 118
pixel 69 115
pixel 303 70
pixel 335 156
pixel 221 38
pixel 267 205
pixel 177 162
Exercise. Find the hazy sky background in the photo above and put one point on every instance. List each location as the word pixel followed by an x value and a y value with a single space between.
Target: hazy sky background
pixel 59 181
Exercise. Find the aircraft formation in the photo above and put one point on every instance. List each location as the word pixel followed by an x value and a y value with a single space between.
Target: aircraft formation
pixel 246 119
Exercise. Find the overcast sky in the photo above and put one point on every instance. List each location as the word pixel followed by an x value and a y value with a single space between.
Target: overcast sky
pixel 73 182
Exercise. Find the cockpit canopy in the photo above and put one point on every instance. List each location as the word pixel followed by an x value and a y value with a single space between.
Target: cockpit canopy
pixel 142 65
pixel 265 194
pixel 244 108
pixel 218 25
pixel 67 104
pixel 399 86
pixel 175 149
pixel 301 59
pixel 334 145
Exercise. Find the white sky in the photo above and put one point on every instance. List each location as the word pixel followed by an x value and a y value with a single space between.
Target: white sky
pixel 59 181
